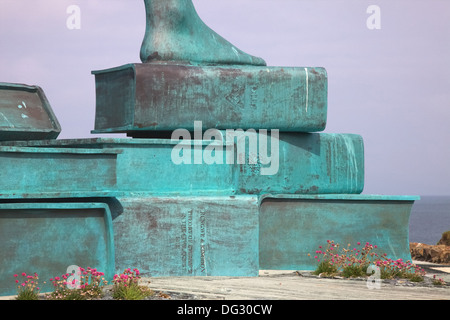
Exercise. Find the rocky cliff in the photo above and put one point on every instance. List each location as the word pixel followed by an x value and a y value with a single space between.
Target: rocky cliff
pixel 439 253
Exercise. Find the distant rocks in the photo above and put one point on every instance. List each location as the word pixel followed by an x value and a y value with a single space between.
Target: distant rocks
pixel 439 253
pixel 445 239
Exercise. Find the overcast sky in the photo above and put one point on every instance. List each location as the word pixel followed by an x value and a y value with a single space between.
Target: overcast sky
pixel 390 85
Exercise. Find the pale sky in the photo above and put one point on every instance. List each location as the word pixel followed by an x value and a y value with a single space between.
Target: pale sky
pixel 390 85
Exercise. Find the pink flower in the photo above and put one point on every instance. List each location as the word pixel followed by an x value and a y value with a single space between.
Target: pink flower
pixel 15 276
pixel 24 274
pixel 358 243
pixel 17 281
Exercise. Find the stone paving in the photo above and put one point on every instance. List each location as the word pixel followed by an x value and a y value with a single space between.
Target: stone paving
pixel 288 285
pixel 298 285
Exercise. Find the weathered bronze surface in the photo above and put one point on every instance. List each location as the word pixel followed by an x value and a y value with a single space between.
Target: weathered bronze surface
pixel 49 237
pixel 141 99
pixel 308 163
pixel 293 226
pixel 174 32
pixel 25 113
pixel 186 217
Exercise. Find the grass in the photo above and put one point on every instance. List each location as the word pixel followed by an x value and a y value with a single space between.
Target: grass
pixel 131 292
pixel 126 286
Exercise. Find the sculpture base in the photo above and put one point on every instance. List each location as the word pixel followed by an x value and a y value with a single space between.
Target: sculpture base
pixel 140 99
pixel 194 235
pixel 240 235
pixel 291 227
pixel 25 114
pixel 49 237
pixel 307 163
pixel 188 236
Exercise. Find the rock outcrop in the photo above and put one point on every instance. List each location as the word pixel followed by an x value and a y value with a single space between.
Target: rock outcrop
pixel 445 239
pixel 439 253
pixel 431 253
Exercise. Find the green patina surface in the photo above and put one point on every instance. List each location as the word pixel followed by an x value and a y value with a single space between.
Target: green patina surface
pixel 142 98
pixel 162 205
pixel 189 235
pixel 309 221
pixel 48 237
pixel 308 164
pixel 25 113
pixel 175 33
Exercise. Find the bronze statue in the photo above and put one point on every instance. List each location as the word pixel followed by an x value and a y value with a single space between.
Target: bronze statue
pixel 175 33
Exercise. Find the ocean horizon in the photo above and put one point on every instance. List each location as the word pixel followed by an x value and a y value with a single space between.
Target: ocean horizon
pixel 430 217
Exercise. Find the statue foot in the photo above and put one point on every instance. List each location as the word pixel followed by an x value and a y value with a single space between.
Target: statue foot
pixel 175 33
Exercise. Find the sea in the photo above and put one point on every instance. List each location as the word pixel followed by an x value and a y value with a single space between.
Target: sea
pixel 430 217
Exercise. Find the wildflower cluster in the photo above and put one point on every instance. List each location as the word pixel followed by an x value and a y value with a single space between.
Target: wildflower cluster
pixel 126 286
pixel 85 284
pixel 82 285
pixel 354 261
pixel 438 281
pixel 28 289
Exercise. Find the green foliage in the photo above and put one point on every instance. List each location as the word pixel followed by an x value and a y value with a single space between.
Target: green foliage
pixel 324 267
pixel 445 238
pixel 354 271
pixel 131 292
pixel 126 286
pixel 28 289
pixel 354 261
pixel 438 281
pixel 85 284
